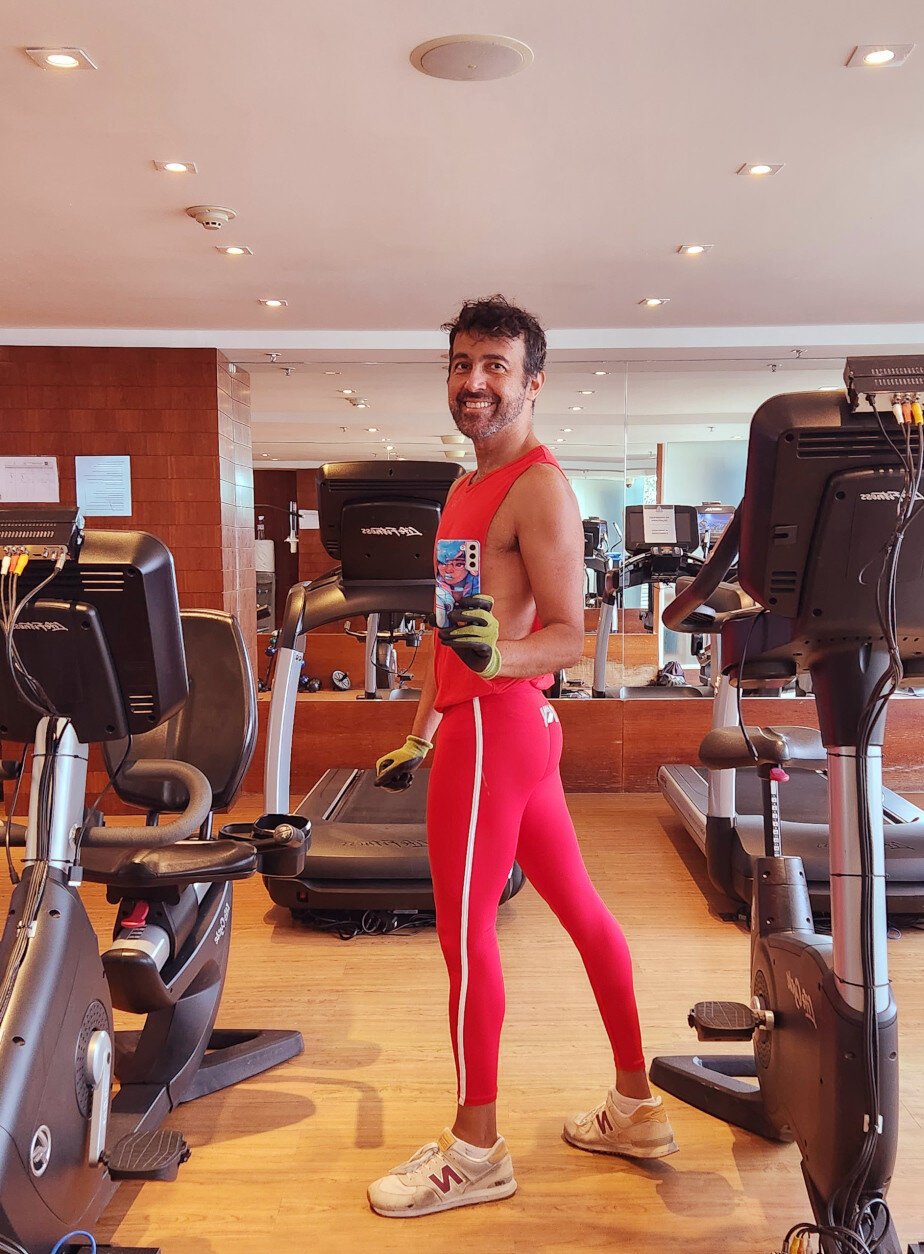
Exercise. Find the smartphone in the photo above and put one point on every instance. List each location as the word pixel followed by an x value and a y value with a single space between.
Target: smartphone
pixel 458 575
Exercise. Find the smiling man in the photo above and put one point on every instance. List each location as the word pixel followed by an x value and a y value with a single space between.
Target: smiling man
pixel 495 791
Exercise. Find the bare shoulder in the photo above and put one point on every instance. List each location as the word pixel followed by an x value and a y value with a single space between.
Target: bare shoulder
pixel 543 495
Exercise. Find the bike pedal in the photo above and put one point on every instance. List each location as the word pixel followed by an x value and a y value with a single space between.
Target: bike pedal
pixel 722 1021
pixel 147 1156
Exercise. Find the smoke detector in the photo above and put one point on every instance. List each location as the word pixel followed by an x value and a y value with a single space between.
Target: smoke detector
pixel 471 58
pixel 212 217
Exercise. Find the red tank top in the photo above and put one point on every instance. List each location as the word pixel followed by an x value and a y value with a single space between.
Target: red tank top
pixel 465 521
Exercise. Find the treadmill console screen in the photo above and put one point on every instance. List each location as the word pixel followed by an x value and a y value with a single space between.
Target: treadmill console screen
pixel 661 527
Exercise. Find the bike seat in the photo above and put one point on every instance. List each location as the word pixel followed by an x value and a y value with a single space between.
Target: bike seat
pixel 186 862
pixel 798 747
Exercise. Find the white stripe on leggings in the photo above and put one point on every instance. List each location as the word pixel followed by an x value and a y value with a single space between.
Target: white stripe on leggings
pixel 466 893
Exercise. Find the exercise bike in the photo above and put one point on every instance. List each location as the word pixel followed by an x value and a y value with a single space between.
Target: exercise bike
pixel 828 534
pixel 94 649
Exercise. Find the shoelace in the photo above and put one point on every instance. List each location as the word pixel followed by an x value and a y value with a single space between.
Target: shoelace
pixel 416 1161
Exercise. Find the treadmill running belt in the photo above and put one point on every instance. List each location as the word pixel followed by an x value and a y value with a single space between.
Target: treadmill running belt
pixel 364 803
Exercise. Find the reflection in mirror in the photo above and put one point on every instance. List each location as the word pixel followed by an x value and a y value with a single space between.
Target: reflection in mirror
pixel 695 415
pixel 306 411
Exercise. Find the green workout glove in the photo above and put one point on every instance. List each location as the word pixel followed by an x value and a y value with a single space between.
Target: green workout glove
pixel 473 633
pixel 395 771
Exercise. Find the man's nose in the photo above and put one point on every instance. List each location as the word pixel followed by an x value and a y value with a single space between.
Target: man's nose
pixel 477 376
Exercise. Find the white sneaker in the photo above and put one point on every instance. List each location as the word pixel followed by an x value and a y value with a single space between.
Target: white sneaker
pixel 440 1176
pixel 646 1133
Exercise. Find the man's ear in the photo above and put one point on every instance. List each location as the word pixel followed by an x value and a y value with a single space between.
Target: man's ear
pixel 535 385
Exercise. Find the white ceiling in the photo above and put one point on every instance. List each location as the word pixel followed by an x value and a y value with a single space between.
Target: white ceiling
pixel 375 199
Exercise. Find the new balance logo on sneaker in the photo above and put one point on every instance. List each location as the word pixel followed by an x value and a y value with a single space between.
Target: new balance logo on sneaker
pixel 646 1132
pixel 446 1179
pixel 442 1175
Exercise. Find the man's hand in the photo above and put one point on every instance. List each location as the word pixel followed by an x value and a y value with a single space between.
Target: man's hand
pixel 395 771
pixel 472 634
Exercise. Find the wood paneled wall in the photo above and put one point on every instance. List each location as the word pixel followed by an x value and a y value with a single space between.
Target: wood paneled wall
pixel 313 558
pixel 184 419
pixel 275 489
pixel 610 746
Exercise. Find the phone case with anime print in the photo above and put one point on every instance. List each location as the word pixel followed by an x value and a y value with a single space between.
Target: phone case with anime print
pixel 458 575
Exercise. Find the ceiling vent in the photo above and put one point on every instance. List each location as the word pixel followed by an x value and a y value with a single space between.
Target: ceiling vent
pixel 471 58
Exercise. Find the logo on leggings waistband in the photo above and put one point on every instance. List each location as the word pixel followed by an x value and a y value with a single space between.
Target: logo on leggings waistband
pixel 548 715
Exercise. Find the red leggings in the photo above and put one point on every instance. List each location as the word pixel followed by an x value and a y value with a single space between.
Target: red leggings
pixel 495 794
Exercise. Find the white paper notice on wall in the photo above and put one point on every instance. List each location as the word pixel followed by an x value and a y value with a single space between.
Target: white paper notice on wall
pixel 308 520
pixel 659 524
pixel 104 487
pixel 29 479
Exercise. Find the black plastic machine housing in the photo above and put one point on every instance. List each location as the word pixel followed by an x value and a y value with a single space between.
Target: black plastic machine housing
pixel 820 492
pixel 380 519
pixel 116 609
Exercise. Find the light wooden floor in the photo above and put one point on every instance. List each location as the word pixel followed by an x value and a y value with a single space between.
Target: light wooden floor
pixel 281 1162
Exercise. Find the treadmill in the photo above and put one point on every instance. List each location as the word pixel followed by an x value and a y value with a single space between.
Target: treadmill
pixel 722 809
pixel 368 845
pixel 659 542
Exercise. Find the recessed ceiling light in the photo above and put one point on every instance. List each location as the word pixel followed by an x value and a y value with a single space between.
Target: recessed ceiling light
pixel 389 448
pixel 273 302
pixel 694 250
pixel 879 56
pixel 332 372
pixel 759 169
pixel 471 58
pixel 61 58
pixel 600 372
pixel 585 392
pixel 176 167
pixel 264 454
pixel 358 402
pixel 575 409
pixel 372 430
pixel 235 250
pixel 560 440
pixel 737 437
pixel 567 430
pixel 653 301
pixel 348 391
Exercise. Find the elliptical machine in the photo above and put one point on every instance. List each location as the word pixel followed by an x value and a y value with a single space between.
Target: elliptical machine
pixel 100 658
pixel 830 534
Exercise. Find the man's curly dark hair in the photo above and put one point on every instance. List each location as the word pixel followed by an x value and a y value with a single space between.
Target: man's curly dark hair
pixel 494 317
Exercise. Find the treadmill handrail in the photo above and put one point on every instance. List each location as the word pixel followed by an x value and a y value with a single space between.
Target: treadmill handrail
pixel 688 611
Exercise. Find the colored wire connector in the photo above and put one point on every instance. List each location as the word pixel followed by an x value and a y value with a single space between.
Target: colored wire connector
pixel 78 1233
pixel 917 413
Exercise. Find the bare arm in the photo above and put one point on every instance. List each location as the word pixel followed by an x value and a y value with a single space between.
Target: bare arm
pixel 427 719
pixel 551 545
